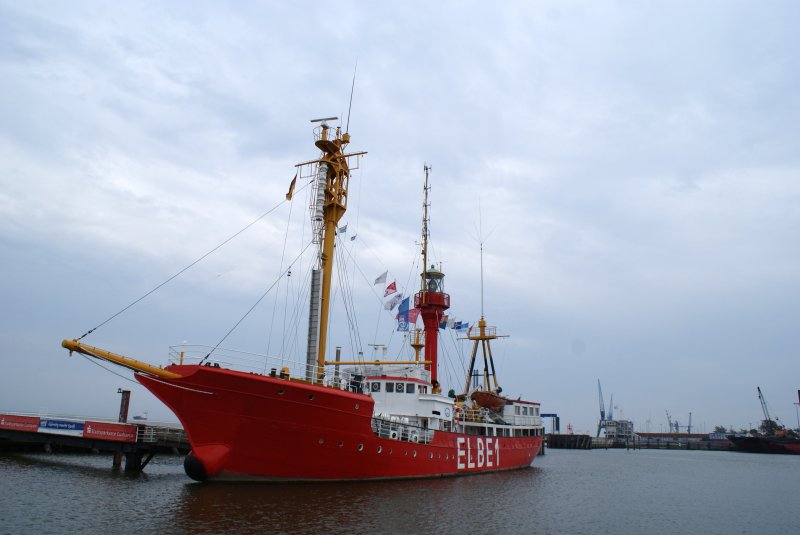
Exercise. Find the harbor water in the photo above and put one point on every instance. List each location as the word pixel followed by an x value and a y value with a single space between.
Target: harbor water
pixel 566 491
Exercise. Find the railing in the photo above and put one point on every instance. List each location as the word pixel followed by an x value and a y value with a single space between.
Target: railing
pixel 475 332
pixel 151 434
pixel 345 379
pixel 432 298
pixel 481 415
pixel 396 429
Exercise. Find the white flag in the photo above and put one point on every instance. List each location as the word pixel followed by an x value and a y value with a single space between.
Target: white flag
pixel 382 278
pixel 342 230
pixel 393 302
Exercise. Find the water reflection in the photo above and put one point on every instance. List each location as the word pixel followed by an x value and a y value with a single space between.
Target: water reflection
pixel 359 507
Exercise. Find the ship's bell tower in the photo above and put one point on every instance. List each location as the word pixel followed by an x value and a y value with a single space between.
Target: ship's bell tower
pixel 431 300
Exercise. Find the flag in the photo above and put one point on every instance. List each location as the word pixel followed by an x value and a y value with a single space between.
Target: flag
pixel 353 237
pixel 402 316
pixel 457 326
pixel 291 188
pixel 469 330
pixel 393 302
pixel 382 278
pixel 451 322
pixel 412 315
pixel 466 326
pixel 342 230
pixel 403 307
pixel 392 288
pixel 443 322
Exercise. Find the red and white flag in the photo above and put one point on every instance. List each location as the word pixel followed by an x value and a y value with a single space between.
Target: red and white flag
pixel 392 288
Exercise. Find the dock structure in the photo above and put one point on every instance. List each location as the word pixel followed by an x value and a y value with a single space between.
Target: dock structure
pixel 568 441
pixel 138 443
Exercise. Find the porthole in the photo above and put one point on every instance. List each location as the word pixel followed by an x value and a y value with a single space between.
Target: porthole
pixel 361 447
pixel 438 455
pixel 310 397
pixel 405 453
pixel 280 392
pixel 321 440
pixel 446 456
pixel 341 443
pixel 380 449
pixel 431 456
pixel 415 453
pixel 356 406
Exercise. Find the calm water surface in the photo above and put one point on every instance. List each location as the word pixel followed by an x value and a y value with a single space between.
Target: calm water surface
pixel 571 492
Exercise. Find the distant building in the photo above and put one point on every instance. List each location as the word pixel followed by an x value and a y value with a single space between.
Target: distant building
pixel 618 430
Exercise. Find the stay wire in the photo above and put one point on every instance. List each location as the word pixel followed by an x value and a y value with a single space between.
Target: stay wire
pixel 256 220
pixel 256 303
pixel 109 371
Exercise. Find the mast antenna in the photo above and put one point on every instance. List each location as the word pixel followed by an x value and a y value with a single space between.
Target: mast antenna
pixel 480 239
pixel 352 88
pixel 427 169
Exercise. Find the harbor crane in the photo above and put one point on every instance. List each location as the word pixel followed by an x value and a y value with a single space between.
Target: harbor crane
pixel 602 423
pixel 763 404
pixel 674 426
pixel 769 426
pixel 610 411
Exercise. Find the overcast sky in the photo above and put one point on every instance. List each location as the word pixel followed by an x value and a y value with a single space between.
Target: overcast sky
pixel 635 167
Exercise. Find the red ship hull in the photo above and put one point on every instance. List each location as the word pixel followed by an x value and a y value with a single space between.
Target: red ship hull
pixel 249 426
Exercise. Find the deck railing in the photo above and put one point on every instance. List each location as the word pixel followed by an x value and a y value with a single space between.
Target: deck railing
pixel 344 379
pixel 395 428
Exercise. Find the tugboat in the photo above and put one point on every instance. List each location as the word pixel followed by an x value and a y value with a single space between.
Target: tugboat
pixel 337 420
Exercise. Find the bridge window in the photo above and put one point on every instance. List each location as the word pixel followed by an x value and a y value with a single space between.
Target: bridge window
pixel 399 387
pixel 410 388
pixel 390 387
pixel 375 387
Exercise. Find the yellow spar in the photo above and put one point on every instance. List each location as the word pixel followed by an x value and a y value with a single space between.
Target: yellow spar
pixel 132 364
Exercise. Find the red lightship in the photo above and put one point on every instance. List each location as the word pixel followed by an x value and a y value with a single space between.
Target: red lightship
pixel 342 420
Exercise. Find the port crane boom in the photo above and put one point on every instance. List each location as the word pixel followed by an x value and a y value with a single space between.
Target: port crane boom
pixel 601 424
pixel 763 404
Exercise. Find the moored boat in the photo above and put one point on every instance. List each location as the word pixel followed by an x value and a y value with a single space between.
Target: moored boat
pixel 340 419
pixel 766 444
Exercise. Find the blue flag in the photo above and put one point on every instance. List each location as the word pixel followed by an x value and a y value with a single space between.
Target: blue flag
pixel 402 316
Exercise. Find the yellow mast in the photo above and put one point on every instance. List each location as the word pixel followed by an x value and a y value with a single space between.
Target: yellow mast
pixel 334 165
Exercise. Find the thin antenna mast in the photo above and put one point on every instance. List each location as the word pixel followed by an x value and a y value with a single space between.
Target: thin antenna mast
pixel 480 239
pixel 427 169
pixel 352 88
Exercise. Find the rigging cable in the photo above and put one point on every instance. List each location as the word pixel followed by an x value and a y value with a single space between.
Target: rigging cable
pixel 280 270
pixel 345 284
pixel 255 304
pixel 94 361
pixel 407 285
pixel 256 220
